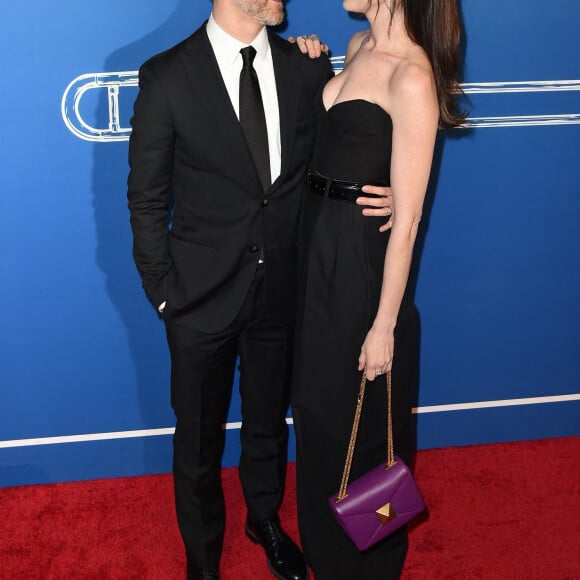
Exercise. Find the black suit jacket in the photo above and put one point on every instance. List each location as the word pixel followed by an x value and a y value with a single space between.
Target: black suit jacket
pixel 190 165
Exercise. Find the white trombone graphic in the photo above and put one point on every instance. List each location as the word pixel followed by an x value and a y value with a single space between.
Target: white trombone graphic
pixel 79 87
pixel 114 82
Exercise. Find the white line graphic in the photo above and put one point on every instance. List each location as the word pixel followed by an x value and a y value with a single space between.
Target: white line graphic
pixel 521 87
pixel 86 438
pixel 114 82
pixel 233 426
pixel 522 121
pixel 496 404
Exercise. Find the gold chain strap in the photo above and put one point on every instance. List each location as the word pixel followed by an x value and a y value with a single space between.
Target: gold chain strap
pixel 390 442
pixel 342 493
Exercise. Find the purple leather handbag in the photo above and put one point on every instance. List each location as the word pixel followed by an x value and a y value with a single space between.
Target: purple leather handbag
pixel 383 499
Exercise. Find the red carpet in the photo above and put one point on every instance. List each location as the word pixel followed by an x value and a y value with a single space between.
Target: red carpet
pixel 506 512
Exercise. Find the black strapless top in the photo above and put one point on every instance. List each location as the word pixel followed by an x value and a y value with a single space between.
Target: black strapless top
pixel 353 142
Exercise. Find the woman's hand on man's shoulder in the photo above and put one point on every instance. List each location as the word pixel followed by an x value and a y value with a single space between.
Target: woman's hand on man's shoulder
pixel 310 44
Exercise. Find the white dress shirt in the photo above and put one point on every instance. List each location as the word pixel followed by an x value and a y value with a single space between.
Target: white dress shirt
pixel 227 52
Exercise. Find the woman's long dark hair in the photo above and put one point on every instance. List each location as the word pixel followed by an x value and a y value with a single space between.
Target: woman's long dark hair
pixel 434 25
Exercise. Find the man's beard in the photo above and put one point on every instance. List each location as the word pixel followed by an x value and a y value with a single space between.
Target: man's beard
pixel 262 11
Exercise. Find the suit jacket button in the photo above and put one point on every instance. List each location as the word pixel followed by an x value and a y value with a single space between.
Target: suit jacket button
pixel 254 249
pixel 265 202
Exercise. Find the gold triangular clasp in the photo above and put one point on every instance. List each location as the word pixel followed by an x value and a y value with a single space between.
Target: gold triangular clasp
pixel 386 514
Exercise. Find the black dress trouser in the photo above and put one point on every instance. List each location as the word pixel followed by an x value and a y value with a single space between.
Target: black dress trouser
pixel 202 372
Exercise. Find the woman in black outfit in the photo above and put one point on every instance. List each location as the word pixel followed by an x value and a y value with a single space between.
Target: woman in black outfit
pixel 377 123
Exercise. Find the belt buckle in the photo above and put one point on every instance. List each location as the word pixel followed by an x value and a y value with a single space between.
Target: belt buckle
pixel 327 186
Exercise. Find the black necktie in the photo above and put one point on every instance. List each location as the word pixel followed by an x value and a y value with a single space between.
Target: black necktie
pixel 252 117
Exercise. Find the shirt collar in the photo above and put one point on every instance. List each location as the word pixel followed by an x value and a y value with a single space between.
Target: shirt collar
pixel 227 48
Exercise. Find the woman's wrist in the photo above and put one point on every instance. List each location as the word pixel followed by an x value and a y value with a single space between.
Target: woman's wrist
pixel 384 325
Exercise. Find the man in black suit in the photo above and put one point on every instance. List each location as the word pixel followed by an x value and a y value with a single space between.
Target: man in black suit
pixel 222 274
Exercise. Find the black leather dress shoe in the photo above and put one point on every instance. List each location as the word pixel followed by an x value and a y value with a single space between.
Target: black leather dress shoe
pixel 285 560
pixel 202 574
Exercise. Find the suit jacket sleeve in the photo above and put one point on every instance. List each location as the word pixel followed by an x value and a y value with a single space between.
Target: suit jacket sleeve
pixel 328 71
pixel 151 151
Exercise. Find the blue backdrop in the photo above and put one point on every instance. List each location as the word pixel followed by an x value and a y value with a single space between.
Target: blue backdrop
pixel 83 362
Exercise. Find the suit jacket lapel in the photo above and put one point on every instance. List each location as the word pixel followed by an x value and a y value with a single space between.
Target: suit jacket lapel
pixel 287 89
pixel 205 77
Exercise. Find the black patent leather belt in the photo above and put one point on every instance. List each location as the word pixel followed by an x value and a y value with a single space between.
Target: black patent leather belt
pixel 336 188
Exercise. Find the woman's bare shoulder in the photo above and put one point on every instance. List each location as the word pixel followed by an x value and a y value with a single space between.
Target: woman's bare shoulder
pixel 354 44
pixel 413 94
pixel 413 78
